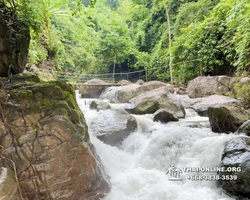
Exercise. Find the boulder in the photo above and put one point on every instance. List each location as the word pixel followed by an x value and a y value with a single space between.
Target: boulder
pixel 244 80
pixel 44 133
pixel 181 91
pixel 8 187
pixel 128 92
pixel 244 128
pixel 164 116
pixel 99 105
pixel 151 101
pixel 201 105
pixel 14 43
pixel 112 126
pixel 236 155
pixel 233 81
pixel 226 118
pixel 123 82
pixel 242 92
pixel 124 93
pixel 93 88
pixel 140 82
pixel 208 85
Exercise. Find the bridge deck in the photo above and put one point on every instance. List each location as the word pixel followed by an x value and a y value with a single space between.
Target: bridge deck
pixel 82 84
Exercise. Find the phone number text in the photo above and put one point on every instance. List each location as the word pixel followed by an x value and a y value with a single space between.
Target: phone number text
pixel 212 177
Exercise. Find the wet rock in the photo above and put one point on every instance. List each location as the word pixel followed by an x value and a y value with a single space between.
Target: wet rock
pixel 44 132
pixel 164 116
pixel 201 105
pixel 244 128
pixel 195 125
pixel 227 118
pixel 112 126
pixel 236 155
pixel 99 105
pixel 92 91
pixel 151 101
pixel 8 186
pixel 140 82
pixel 124 82
pixel 208 85
pixel 124 93
pixel 93 105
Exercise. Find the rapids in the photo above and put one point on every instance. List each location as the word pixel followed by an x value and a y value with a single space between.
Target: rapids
pixel 138 168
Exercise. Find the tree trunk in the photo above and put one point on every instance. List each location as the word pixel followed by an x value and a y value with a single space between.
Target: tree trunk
pixel 200 68
pixel 47 29
pixel 114 68
pixel 133 33
pixel 170 44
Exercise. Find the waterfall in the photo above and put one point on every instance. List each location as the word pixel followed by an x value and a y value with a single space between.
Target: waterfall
pixel 111 93
pixel 137 169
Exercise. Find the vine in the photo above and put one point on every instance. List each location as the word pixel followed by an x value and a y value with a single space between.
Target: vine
pixel 15 171
pixel 2 147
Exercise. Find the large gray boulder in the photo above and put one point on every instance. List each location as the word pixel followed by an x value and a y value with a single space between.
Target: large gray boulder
pixel 124 93
pixel 92 88
pixel 201 105
pixel 208 85
pixel 151 101
pixel 112 126
pixel 226 118
pixel 236 155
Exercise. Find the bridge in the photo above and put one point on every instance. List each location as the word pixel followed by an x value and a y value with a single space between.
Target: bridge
pixel 84 84
pixel 80 78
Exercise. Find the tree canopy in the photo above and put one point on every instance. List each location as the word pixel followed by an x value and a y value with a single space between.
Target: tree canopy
pixel 194 37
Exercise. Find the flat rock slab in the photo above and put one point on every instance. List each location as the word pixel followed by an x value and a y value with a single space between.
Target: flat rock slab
pixel 201 105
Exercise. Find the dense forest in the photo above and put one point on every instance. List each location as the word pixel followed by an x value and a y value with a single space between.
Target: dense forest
pixel 181 39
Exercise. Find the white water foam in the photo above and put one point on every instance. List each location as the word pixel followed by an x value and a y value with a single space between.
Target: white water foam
pixel 137 169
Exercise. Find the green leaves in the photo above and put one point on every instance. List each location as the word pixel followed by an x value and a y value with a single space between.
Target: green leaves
pixel 207 35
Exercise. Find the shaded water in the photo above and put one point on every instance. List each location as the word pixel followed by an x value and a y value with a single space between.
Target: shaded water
pixel 137 169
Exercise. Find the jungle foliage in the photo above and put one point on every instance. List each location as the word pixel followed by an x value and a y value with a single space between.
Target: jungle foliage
pixel 207 36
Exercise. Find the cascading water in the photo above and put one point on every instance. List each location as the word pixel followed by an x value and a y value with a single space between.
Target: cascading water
pixel 137 169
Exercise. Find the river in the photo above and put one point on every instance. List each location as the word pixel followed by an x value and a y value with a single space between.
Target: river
pixel 138 168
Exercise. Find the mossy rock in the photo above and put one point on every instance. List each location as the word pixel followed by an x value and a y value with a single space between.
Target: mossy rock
pixel 44 127
pixel 53 97
pixel 25 77
pixel 145 107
